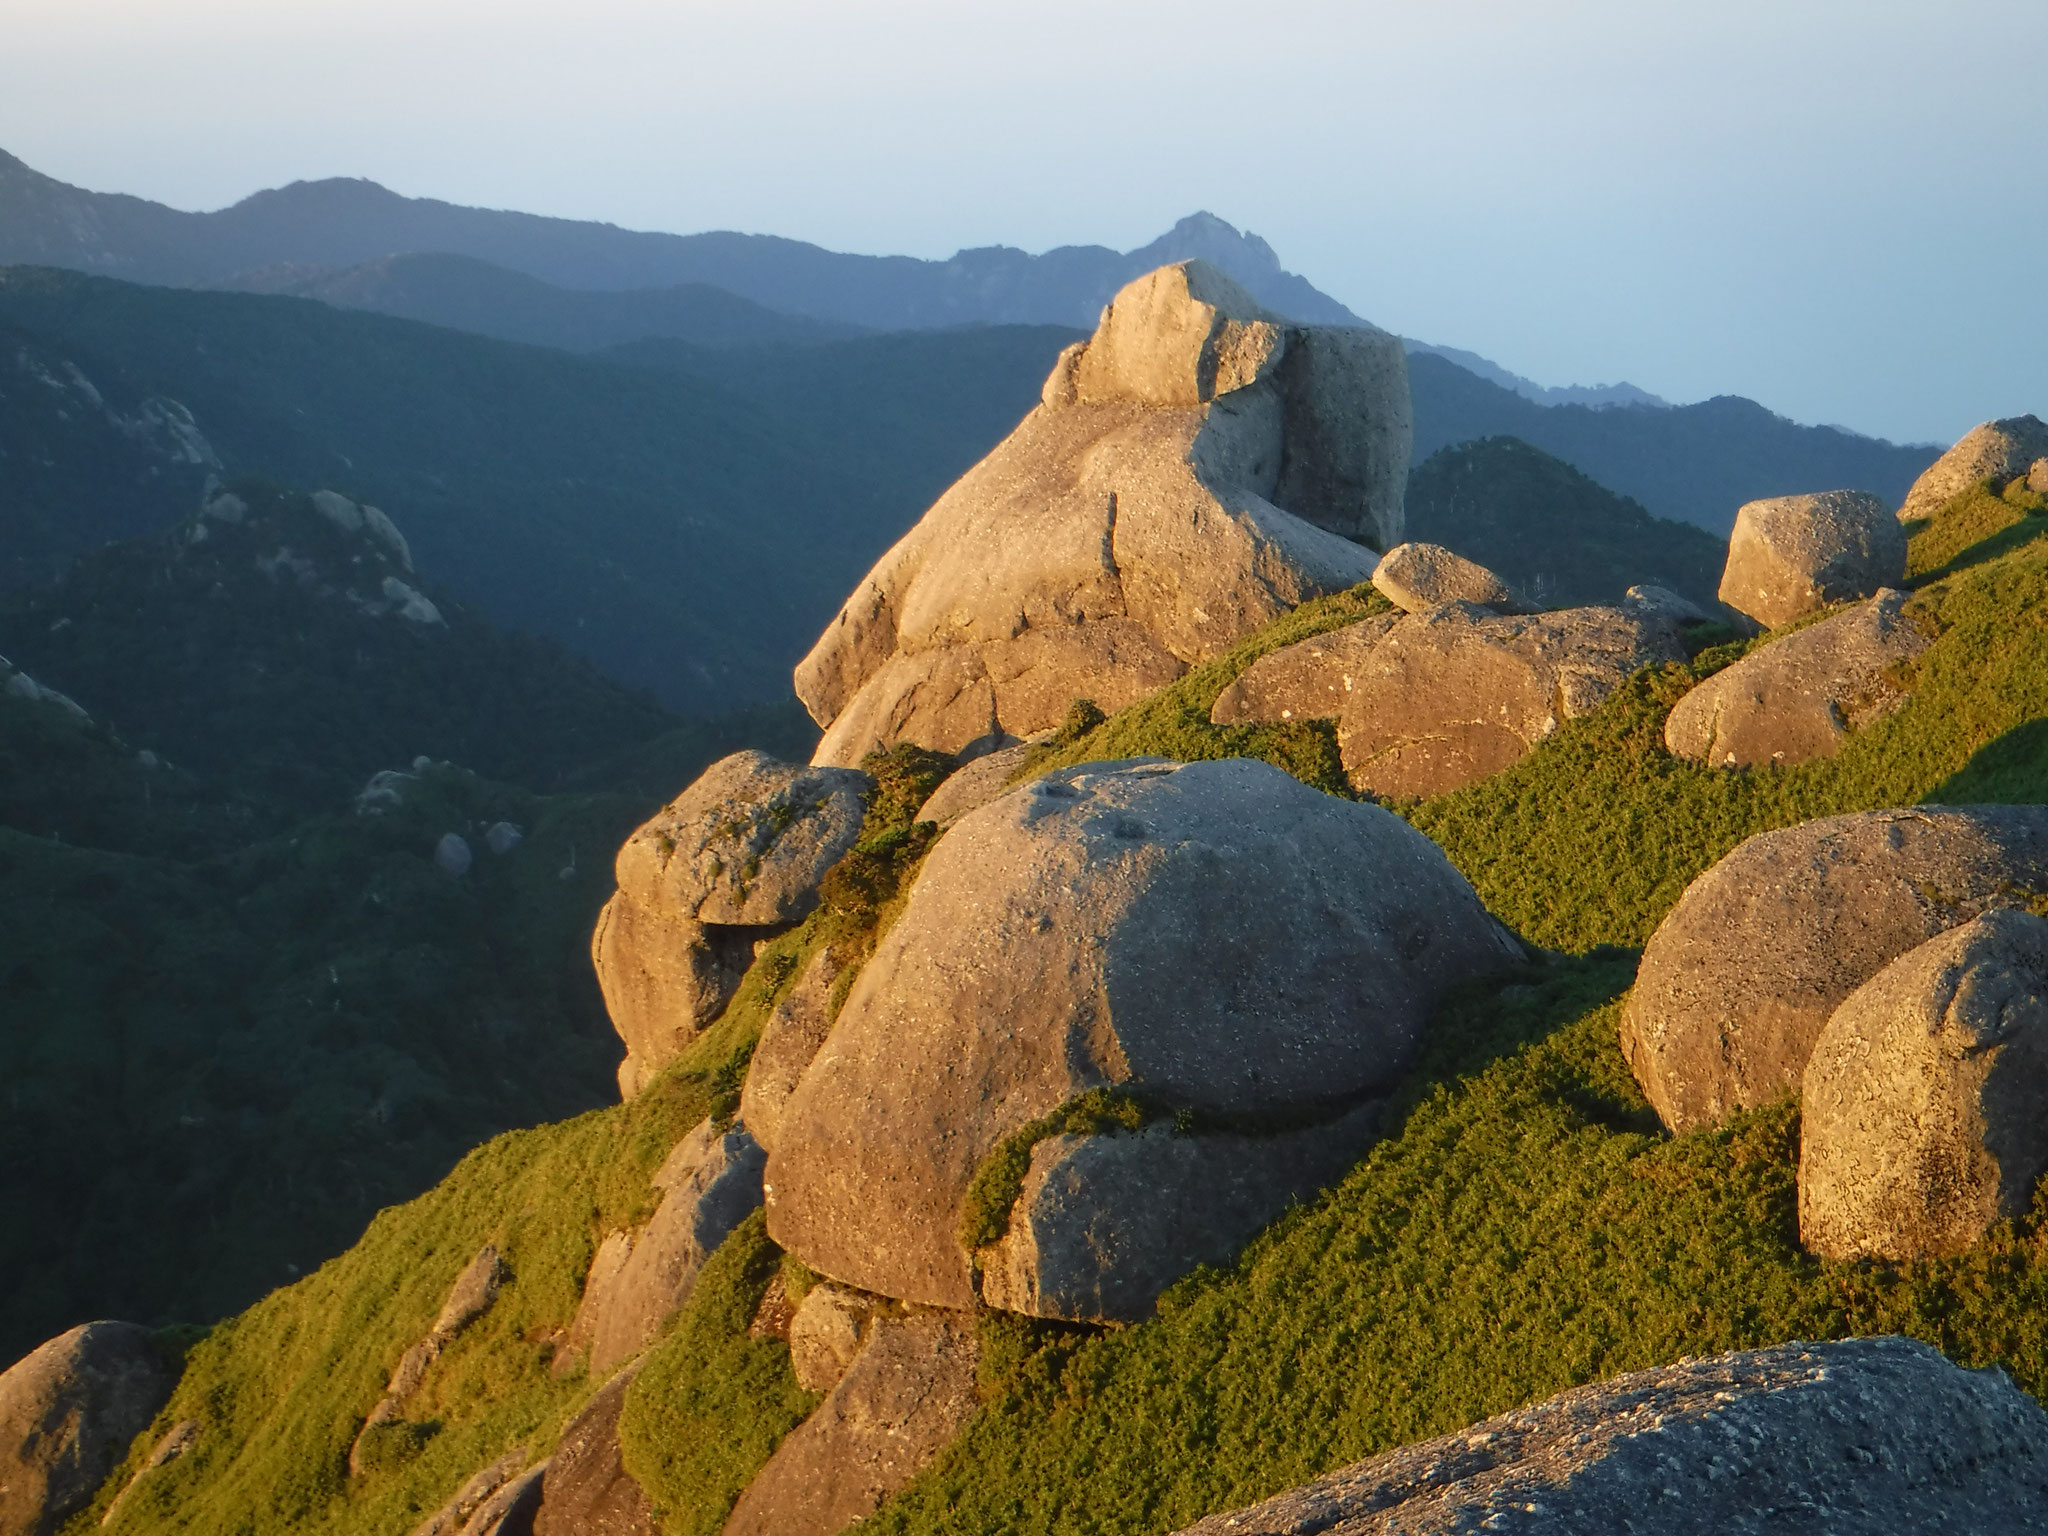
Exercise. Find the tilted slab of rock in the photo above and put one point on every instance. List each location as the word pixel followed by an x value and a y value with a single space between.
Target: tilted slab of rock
pixel 512 1509
pixel 472 1295
pixel 68 1411
pixel 795 1029
pixel 746 844
pixel 710 1183
pixel 973 784
pixel 171 1444
pixel 1924 1110
pixel 1745 971
pixel 1869 1437
pixel 1131 526
pixel 1106 1223
pixel 1415 577
pixel 1216 935
pixel 1794 555
pixel 1459 692
pixel 1799 697
pixel 587 1490
pixel 663 978
pixel 2037 477
pixel 1309 680
pixel 1996 450
pixel 907 1394
pixel 451 1517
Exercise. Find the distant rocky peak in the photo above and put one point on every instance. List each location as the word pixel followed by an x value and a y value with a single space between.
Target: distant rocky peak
pixel 324 543
pixel 1202 235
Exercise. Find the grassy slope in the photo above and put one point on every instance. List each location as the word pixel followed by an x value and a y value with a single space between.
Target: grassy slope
pixel 1524 1227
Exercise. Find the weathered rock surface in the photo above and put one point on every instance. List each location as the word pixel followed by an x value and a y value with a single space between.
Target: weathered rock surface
pixel 511 1510
pixel 1794 555
pixel 1459 692
pixel 909 1392
pixel 791 1037
pixel 746 844
pixel 1743 973
pixel 68 1411
pixel 1999 450
pixel 451 1517
pixel 469 1298
pixel 1871 1437
pixel 2037 477
pixel 1663 603
pixel 1106 1223
pixel 1308 680
pixel 587 1490
pixel 1415 577
pixel 826 1334
pixel 974 784
pixel 1216 934
pixel 171 1444
pixel 663 978
pixel 1131 526
pixel 1924 1110
pixel 710 1182
pixel 1799 697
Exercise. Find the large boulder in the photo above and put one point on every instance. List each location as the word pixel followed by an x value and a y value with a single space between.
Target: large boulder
pixel 1416 577
pixel 68 1412
pixel 1794 555
pixel 1996 450
pixel 1745 971
pixel 1105 1223
pixel 1924 1110
pixel 587 1490
pixel 1131 526
pixel 663 978
pixel 907 1394
pixel 1309 680
pixel 1869 1437
pixel 1800 696
pixel 1459 692
pixel 1214 936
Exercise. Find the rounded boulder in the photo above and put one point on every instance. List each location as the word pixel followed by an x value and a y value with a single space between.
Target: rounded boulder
pixel 1794 555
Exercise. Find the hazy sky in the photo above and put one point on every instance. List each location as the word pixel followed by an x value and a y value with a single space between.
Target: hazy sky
pixel 1839 209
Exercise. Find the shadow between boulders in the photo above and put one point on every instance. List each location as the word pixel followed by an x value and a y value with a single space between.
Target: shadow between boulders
pixel 2011 769
pixel 2029 527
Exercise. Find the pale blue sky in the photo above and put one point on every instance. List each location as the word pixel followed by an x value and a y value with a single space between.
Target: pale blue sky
pixel 1839 209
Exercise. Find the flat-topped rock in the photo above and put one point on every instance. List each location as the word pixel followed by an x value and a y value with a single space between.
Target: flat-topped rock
pixel 1212 935
pixel 1868 1437
pixel 68 1411
pixel 1924 1108
pixel 1996 450
pixel 1309 680
pixel 1414 577
pixel 1744 972
pixel 1794 555
pixel 1197 469
pixel 1800 696
pixel 1459 692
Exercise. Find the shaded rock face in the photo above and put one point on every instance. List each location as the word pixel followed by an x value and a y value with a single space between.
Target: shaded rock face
pixel 1996 450
pixel 1106 1223
pixel 451 1517
pixel 1216 935
pixel 663 978
pixel 638 1280
pixel 746 844
pixel 512 1509
pixel 587 1490
pixel 1870 1436
pixel 1794 555
pixel 1131 526
pixel 1799 697
pixel 68 1411
pixel 1309 680
pixel 1452 695
pixel 1744 972
pixel 1415 577
pixel 826 1334
pixel 789 1040
pixel 1924 1112
pixel 907 1394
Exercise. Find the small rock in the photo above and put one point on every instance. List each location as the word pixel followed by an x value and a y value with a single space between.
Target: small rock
pixel 1415 577
pixel 173 1443
pixel 385 790
pixel 502 837
pixel 973 784
pixel 449 1519
pixel 339 510
pixel 386 533
pixel 411 604
pixel 226 507
pixel 587 1490
pixel 1996 450
pixel 68 1412
pixel 1662 602
pixel 452 855
pixel 830 1326
pixel 1924 1110
pixel 1309 680
pixel 473 1293
pixel 511 1510
pixel 1794 555
pixel 1800 696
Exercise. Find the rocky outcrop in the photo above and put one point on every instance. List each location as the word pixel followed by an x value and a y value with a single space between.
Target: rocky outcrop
pixel 663 979
pixel 469 1298
pixel 1869 1437
pixel 1460 692
pixel 710 1183
pixel 973 784
pixel 512 1509
pixel 2037 477
pixel 587 1490
pixel 1213 935
pixel 1106 1223
pixel 907 1394
pixel 1309 680
pixel 68 1412
pixel 171 1444
pixel 1799 697
pixel 1654 602
pixel 1131 526
pixel 1794 555
pixel 1924 1110
pixel 826 1334
pixel 791 1037
pixel 1996 450
pixel 1417 577
pixel 1745 971
pixel 466 1501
